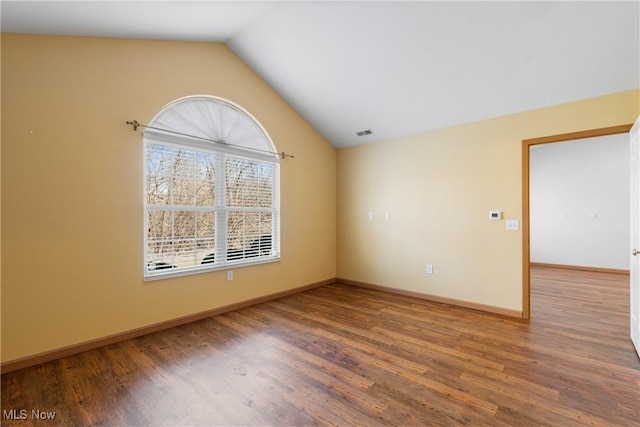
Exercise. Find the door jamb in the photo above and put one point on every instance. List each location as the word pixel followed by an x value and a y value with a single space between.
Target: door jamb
pixel 526 144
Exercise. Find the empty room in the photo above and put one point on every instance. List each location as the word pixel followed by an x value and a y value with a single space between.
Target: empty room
pixel 341 213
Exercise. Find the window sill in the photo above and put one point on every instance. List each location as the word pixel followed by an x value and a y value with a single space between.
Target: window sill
pixel 207 269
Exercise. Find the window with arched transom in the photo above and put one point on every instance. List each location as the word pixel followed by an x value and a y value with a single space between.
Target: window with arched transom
pixel 211 198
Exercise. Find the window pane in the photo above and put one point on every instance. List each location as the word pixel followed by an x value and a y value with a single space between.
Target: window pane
pixel 206 224
pixel 184 164
pixel 266 223
pixel 265 198
pixel 183 191
pixel 249 183
pixel 234 253
pixel 251 226
pixel 159 160
pixel 205 179
pixel 235 230
pixel 261 246
pixel 180 239
pixel 205 251
pixel 249 234
pixel 160 225
pixel 184 224
pixel 234 180
pixel 159 255
pixel 185 253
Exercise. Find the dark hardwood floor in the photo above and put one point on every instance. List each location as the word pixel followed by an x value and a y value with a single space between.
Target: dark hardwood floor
pixel 343 355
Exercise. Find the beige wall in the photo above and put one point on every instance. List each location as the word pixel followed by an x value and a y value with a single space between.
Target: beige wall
pixel 438 188
pixel 72 187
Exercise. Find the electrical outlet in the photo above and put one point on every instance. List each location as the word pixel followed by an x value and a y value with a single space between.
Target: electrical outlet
pixel 429 269
pixel 370 216
pixel 513 225
pixel 230 275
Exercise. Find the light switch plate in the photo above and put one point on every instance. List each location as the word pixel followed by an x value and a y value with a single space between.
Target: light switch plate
pixel 513 225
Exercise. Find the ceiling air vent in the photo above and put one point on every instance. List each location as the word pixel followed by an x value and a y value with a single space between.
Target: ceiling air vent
pixel 364 132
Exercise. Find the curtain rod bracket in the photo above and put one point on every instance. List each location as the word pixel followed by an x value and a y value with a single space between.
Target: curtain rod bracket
pixel 134 123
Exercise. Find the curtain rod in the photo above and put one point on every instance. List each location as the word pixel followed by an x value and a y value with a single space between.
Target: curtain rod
pixel 136 124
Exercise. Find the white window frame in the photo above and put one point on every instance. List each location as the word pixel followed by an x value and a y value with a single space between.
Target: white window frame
pixel 269 160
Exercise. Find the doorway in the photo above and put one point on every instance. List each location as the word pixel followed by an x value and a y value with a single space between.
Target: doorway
pixel 526 238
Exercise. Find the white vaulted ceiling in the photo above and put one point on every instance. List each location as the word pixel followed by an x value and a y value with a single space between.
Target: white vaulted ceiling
pixel 394 67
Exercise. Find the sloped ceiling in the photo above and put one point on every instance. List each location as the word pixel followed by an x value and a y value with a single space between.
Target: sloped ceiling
pixel 397 68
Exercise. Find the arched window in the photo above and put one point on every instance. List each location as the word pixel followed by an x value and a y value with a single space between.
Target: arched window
pixel 211 189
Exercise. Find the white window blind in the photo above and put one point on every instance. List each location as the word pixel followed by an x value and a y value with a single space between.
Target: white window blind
pixel 207 205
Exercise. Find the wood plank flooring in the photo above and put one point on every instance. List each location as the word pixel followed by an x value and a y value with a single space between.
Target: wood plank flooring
pixel 343 355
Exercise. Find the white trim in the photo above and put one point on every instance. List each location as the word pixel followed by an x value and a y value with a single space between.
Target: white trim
pixel 232 265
